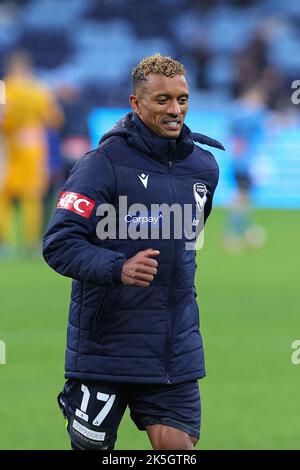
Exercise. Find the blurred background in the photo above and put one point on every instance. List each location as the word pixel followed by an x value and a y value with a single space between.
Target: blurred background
pixel 65 66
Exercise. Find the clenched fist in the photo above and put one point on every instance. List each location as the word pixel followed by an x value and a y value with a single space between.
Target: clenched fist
pixel 140 269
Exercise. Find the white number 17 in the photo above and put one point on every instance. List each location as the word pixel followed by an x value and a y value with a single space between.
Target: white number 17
pixel 108 399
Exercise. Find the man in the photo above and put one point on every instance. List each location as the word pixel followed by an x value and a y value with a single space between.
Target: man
pixel 249 115
pixel 133 335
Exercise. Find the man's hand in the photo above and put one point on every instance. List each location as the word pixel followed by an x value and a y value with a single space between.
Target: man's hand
pixel 140 269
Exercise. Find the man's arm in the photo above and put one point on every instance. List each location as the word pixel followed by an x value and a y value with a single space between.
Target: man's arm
pixel 67 245
pixel 212 182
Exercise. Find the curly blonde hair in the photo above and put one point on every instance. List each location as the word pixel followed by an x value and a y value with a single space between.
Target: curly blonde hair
pixel 157 64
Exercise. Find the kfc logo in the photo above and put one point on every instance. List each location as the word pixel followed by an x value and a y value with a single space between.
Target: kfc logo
pixel 75 202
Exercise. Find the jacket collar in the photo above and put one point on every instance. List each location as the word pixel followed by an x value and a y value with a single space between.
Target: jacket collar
pixel 139 136
pixel 163 148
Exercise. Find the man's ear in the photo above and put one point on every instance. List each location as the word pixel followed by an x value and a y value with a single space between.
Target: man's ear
pixel 134 104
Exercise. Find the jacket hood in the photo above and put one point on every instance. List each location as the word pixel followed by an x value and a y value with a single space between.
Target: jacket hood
pixel 139 136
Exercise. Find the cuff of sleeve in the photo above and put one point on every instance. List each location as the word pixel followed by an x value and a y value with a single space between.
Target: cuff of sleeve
pixel 117 270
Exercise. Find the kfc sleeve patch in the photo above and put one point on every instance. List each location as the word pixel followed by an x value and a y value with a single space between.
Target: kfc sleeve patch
pixel 77 203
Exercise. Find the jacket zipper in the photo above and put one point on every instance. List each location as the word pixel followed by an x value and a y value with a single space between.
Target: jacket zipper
pixel 99 310
pixel 170 318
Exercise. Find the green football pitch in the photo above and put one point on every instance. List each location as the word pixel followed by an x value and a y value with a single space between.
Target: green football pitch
pixel 249 308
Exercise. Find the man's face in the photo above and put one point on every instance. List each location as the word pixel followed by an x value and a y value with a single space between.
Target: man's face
pixel 162 103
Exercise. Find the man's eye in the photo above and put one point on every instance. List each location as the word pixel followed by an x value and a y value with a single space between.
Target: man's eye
pixel 183 101
pixel 161 101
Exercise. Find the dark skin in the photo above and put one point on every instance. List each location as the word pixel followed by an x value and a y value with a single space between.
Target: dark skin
pixel 161 103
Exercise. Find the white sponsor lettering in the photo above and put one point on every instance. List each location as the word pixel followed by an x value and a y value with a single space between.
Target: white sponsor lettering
pixel 142 219
pixel 78 202
pixel 67 199
pixel 95 436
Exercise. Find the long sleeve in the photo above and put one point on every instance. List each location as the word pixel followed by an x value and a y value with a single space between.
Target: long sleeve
pixel 70 245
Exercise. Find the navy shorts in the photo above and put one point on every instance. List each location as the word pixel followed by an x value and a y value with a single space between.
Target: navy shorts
pixel 94 410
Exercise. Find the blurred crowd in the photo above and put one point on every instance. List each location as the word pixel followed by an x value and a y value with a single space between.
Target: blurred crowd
pixel 240 51
pixel 225 44
pixel 42 135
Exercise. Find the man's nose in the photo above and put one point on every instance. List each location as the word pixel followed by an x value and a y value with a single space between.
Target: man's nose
pixel 174 108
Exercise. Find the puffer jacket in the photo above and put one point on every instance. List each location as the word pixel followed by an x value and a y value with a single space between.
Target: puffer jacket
pixel 125 333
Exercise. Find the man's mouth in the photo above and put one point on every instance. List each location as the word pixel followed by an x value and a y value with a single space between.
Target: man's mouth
pixel 172 124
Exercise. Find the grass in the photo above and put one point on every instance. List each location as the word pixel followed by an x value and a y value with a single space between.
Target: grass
pixel 249 318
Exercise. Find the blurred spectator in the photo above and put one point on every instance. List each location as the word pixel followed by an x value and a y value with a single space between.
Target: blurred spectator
pixel 246 134
pixel 201 54
pixel 250 63
pixel 75 140
pixel 253 65
pixel 55 174
pixel 30 108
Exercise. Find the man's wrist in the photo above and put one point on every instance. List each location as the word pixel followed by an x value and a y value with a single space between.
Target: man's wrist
pixel 117 270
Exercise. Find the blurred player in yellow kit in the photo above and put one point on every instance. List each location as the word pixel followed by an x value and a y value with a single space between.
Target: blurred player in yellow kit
pixel 29 110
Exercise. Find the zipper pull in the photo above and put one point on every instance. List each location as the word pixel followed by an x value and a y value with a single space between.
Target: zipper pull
pixel 170 165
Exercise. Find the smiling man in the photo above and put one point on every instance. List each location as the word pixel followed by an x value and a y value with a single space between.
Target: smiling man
pixel 133 335
pixel 160 100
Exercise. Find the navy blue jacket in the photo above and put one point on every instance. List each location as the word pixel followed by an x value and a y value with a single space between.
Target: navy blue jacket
pixel 127 333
